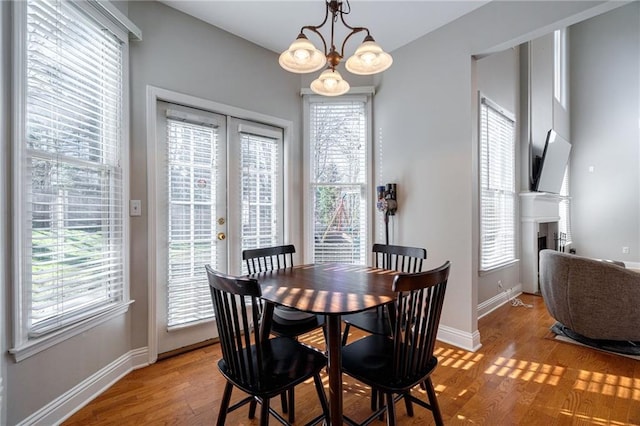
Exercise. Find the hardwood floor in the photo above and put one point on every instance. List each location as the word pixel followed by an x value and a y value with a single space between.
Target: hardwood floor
pixel 520 376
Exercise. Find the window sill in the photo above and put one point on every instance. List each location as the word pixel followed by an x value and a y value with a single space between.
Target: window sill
pixel 496 268
pixel 34 346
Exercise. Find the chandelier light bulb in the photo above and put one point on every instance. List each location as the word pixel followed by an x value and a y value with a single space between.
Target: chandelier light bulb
pixel 330 83
pixel 302 57
pixel 369 58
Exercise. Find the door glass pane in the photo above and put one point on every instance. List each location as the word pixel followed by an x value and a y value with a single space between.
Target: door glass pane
pixel 261 183
pixel 192 172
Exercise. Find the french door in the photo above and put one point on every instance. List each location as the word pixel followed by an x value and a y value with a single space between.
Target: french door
pixel 219 191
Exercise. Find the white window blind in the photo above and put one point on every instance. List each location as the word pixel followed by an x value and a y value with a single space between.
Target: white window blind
pixel 338 180
pixel 497 186
pixel 72 177
pixel 565 209
pixel 192 163
pixel 261 186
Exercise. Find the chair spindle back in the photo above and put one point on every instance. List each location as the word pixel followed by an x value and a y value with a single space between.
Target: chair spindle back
pixel 237 310
pixel 398 258
pixel 268 258
pixel 419 303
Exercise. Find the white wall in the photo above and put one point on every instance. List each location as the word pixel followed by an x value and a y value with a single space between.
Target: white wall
pixel 605 133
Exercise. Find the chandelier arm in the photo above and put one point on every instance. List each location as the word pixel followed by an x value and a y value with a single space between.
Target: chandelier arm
pixel 315 30
pixel 354 30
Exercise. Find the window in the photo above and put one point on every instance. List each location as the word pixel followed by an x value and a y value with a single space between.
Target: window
pixel 497 186
pixel 564 226
pixel 261 170
pixel 72 178
pixel 560 69
pixel 339 179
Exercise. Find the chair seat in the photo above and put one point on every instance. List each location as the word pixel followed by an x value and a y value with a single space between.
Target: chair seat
pixel 371 321
pixel 370 360
pixel 293 328
pixel 286 362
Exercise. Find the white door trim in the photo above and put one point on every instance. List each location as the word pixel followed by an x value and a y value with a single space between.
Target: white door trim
pixel 155 94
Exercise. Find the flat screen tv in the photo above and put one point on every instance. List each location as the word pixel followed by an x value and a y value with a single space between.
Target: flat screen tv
pixel 552 164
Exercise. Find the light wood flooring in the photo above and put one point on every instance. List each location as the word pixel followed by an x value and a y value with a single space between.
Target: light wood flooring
pixel 520 376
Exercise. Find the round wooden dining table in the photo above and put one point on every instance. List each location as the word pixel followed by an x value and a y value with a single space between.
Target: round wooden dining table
pixel 331 290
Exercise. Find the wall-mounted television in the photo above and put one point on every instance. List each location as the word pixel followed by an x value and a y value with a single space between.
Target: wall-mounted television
pixel 549 169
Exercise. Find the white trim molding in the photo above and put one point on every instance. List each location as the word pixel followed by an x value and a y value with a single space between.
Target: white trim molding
pixel 80 395
pixel 498 300
pixel 153 95
pixel 461 339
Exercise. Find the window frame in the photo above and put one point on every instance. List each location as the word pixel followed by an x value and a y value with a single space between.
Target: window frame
pixel 364 94
pixel 564 206
pixel 25 346
pixel 513 258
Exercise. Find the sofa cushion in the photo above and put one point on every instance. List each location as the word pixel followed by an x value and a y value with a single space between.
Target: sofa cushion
pixel 596 299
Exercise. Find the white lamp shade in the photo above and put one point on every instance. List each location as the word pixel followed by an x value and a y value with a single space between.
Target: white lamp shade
pixel 330 83
pixel 368 59
pixel 302 57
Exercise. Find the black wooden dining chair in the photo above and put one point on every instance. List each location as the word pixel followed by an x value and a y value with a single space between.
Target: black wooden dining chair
pixel 260 366
pixel 286 321
pixel 394 365
pixel 397 258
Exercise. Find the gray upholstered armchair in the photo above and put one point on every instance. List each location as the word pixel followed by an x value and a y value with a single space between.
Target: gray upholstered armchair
pixel 597 299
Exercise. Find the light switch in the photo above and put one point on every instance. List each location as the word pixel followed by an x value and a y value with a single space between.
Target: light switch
pixel 135 208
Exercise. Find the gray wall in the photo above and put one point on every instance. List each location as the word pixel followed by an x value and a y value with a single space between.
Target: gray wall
pixel 4 169
pixel 183 54
pixel 605 97
pixel 497 78
pixel 425 114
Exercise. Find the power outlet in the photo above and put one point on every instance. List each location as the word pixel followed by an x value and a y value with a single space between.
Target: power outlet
pixel 135 208
pixel 500 287
pixel 625 250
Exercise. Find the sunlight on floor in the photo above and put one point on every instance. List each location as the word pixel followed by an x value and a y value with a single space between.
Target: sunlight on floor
pixel 605 384
pixel 581 418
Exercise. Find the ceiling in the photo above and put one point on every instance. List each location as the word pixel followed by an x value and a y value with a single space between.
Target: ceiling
pixel 274 24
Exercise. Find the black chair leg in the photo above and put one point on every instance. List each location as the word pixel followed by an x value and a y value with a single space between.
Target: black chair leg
pixel 380 405
pixel 264 412
pixel 408 405
pixel 224 404
pixel 433 400
pixel 345 334
pixel 391 410
pixel 252 409
pixel 374 399
pixel 283 401
pixel 321 395
pixel 292 408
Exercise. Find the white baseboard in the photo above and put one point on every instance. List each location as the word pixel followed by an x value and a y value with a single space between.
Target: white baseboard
pixel 463 340
pixel 498 300
pixel 73 400
pixel 632 265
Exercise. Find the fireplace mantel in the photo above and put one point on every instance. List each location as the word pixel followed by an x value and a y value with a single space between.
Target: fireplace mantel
pixel 535 208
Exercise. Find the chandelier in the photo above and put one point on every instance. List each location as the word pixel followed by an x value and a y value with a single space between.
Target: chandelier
pixel 303 57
